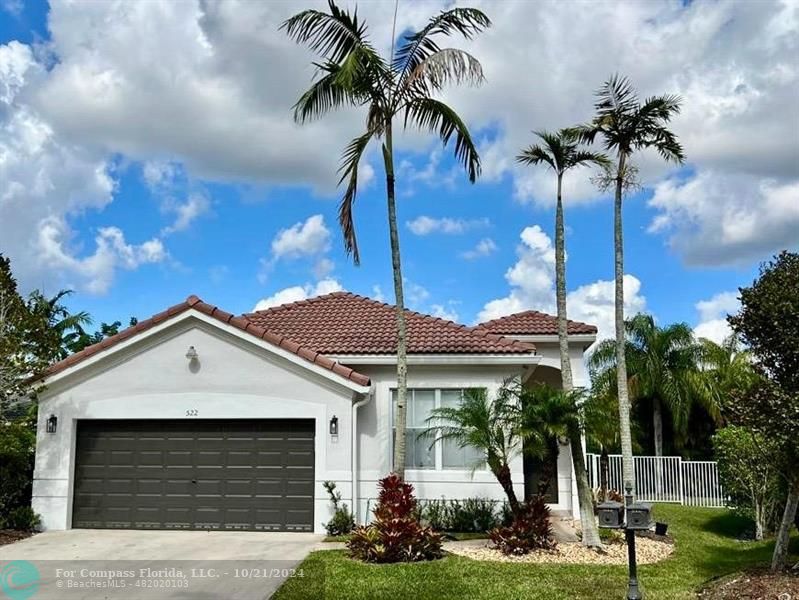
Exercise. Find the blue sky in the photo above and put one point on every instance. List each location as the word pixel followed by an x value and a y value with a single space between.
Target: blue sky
pixel 185 146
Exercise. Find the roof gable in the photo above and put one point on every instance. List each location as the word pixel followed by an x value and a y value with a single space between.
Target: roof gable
pixel 345 323
pixel 194 303
pixel 533 322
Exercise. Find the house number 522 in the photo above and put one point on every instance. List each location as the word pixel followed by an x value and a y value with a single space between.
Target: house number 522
pixel 192 412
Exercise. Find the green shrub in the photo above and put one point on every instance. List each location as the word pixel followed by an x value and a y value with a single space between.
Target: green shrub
pixel 343 521
pixel 529 530
pixel 749 476
pixel 472 515
pixel 435 514
pixel 395 534
pixel 22 518
pixel 17 449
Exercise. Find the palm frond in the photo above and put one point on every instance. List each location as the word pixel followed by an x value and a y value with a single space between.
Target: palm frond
pixel 419 46
pixel 535 155
pixel 332 35
pixel 616 95
pixel 324 95
pixel 350 161
pixel 445 66
pixel 435 116
pixel 587 157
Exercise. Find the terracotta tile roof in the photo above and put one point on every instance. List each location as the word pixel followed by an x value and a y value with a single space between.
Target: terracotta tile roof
pixel 532 322
pixel 345 323
pixel 193 302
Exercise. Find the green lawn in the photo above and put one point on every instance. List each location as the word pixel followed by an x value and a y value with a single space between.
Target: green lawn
pixel 706 548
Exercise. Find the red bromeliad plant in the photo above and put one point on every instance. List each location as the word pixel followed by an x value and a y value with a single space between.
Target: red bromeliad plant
pixel 529 530
pixel 395 534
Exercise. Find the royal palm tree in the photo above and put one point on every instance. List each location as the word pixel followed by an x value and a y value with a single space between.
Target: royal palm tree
pixel 561 151
pixel 664 366
pixel 626 125
pixel 352 73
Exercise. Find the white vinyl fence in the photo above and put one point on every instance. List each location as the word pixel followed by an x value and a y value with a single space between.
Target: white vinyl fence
pixel 664 479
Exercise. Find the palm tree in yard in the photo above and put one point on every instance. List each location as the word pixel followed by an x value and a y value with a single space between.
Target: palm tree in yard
pixel 664 366
pixel 561 152
pixel 626 125
pixel 402 87
pixel 491 426
pixel 728 367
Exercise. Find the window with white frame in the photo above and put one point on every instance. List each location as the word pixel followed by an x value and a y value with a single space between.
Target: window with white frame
pixel 422 451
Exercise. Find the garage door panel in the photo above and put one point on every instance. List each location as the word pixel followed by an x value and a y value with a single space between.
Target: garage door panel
pixel 251 475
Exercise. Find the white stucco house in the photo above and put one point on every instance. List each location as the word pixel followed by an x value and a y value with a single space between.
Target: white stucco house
pixel 196 418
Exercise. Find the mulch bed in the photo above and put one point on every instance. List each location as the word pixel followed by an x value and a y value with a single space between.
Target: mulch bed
pixel 648 549
pixel 754 585
pixel 9 536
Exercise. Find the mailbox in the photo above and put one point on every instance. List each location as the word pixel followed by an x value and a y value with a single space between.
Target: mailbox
pixel 639 516
pixel 611 515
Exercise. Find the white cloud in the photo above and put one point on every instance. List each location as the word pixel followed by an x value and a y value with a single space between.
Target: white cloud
pixel 159 174
pixel 196 205
pixel 310 238
pixel 713 316
pixel 594 303
pixel 377 293
pixel 299 292
pixel 12 7
pixel 323 267
pixel 532 277
pixel 716 218
pixel 447 312
pixel 415 294
pixel 96 270
pixel 532 286
pixel 485 247
pixel 424 225
pixel 47 180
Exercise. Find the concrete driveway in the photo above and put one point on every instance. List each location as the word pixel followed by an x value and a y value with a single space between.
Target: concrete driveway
pixel 101 563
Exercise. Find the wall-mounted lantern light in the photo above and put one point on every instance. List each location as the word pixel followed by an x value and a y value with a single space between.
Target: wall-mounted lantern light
pixel 334 425
pixel 51 424
pixel 191 353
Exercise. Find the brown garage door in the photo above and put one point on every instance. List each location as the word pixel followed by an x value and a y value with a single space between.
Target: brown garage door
pixel 195 474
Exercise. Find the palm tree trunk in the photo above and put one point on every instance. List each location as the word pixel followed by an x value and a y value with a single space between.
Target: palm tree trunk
pixel 780 556
pixel 657 425
pixel 621 363
pixel 604 472
pixel 502 473
pixel 402 341
pixel 584 496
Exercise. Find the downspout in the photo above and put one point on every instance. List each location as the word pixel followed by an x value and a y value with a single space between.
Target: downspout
pixel 354 454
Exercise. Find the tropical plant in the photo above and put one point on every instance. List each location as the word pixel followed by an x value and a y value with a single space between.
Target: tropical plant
pixel 748 471
pixel 625 125
pixel 352 73
pixel 395 534
pixel 342 522
pixel 530 530
pixel 106 330
pixel 663 366
pixel 768 323
pixel 489 425
pixel 17 449
pixel 63 328
pixel 728 367
pixel 562 151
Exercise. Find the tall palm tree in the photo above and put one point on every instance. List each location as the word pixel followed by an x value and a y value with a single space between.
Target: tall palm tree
pixel 625 126
pixel 663 366
pixel 352 73
pixel 561 151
